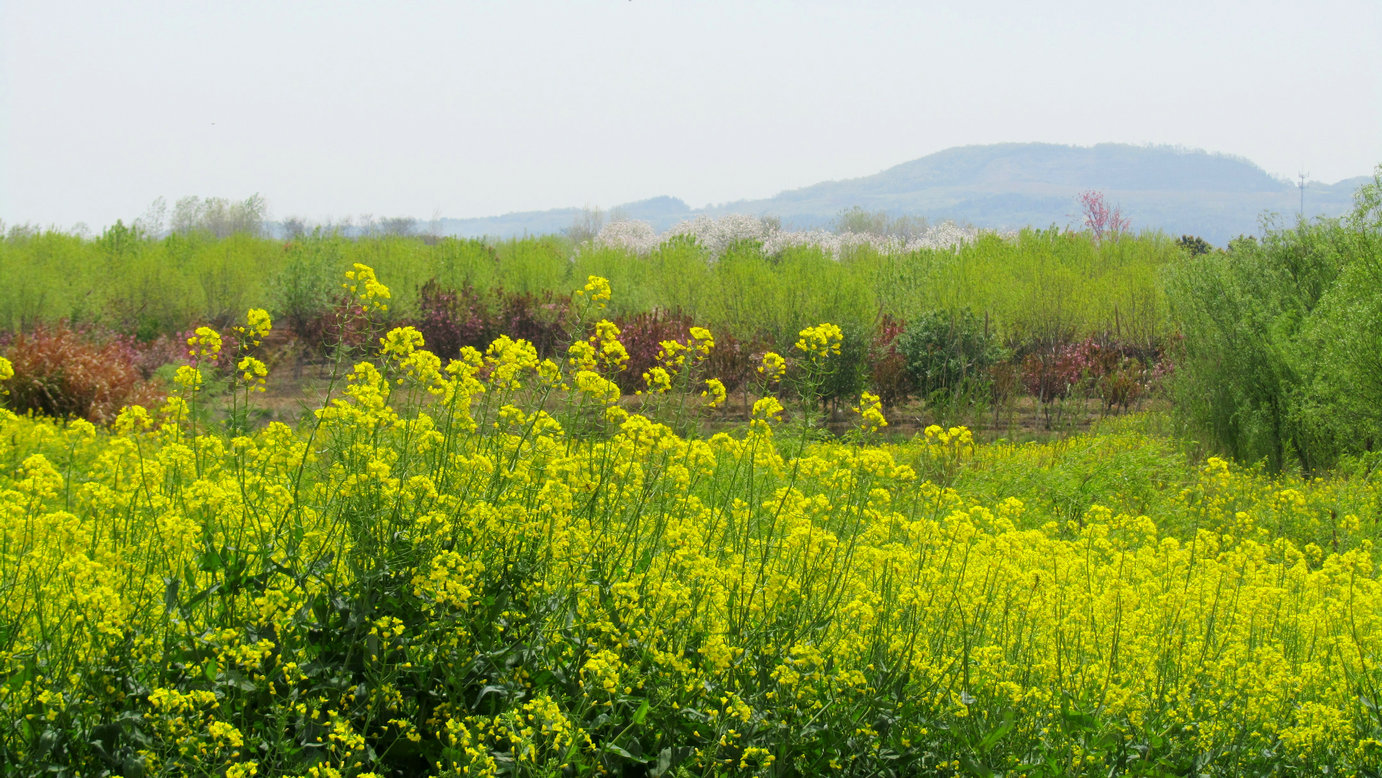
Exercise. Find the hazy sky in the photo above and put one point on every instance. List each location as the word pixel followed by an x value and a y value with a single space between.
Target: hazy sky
pixel 457 108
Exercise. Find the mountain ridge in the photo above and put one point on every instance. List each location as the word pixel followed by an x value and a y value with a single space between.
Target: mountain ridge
pixel 1007 186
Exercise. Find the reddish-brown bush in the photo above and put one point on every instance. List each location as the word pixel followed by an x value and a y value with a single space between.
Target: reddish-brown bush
pixel 542 320
pixel 642 335
pixel 734 360
pixel 888 373
pixel 449 319
pixel 64 372
pixel 344 324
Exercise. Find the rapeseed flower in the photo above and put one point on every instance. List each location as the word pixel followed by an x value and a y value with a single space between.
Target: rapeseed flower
pixel 253 372
pixel 597 290
pixel 634 584
pixel 702 341
pixel 772 367
pixel 820 341
pixel 425 368
pixel 672 354
pixel 715 392
pixel 508 360
pixel 597 387
pixel 366 289
pixel 257 325
pixel 205 343
pixel 766 410
pixel 582 356
pixel 225 735
pixel 610 353
pixel 399 342
pixel 658 381
pixel 870 410
pixel 189 378
pixel 549 373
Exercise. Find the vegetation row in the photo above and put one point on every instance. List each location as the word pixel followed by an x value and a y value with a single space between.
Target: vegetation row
pixel 975 325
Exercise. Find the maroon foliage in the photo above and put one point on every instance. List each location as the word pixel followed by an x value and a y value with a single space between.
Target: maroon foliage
pixel 450 319
pixel 346 324
pixel 1051 372
pixel 642 335
pixel 539 319
pixel 63 371
pixel 733 360
pixel 887 370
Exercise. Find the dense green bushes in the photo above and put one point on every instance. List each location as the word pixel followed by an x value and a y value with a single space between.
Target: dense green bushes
pixel 1282 356
pixel 1036 283
pixel 948 356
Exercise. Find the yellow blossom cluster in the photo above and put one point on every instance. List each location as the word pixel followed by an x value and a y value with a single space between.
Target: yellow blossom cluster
pixel 870 410
pixel 205 343
pixel 714 392
pixel 820 341
pixel 606 350
pixel 597 291
pixel 257 325
pixel 772 367
pixel 253 372
pixel 657 380
pixel 362 285
pixel 702 342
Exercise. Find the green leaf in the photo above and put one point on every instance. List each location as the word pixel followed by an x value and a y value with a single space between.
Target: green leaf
pixel 664 761
pixel 991 739
pixel 170 594
pixel 1076 721
pixel 613 749
pixel 642 713
pixel 24 675
pixel 210 561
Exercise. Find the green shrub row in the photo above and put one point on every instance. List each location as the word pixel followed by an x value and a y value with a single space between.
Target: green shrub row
pixel 1039 284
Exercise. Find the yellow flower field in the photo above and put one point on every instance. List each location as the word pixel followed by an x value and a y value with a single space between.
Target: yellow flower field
pixel 489 567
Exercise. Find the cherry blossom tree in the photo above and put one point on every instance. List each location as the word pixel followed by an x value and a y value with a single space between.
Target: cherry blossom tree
pixel 1099 219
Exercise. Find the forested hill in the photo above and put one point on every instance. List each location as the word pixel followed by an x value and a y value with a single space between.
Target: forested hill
pixel 1012 185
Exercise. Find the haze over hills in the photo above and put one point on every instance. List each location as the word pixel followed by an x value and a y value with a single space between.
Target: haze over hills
pixel 1009 186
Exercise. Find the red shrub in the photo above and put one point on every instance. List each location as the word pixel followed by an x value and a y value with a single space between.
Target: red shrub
pixel 733 360
pixel 449 319
pixel 888 372
pixel 344 324
pixel 642 335
pixel 66 372
pixel 1051 372
pixel 540 320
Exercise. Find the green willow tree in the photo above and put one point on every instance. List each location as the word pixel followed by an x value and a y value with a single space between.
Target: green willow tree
pixel 1282 356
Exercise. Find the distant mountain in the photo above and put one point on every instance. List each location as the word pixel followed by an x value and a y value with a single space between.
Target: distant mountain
pixel 1009 186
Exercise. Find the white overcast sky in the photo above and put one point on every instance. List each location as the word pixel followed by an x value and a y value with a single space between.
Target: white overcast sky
pixel 340 109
